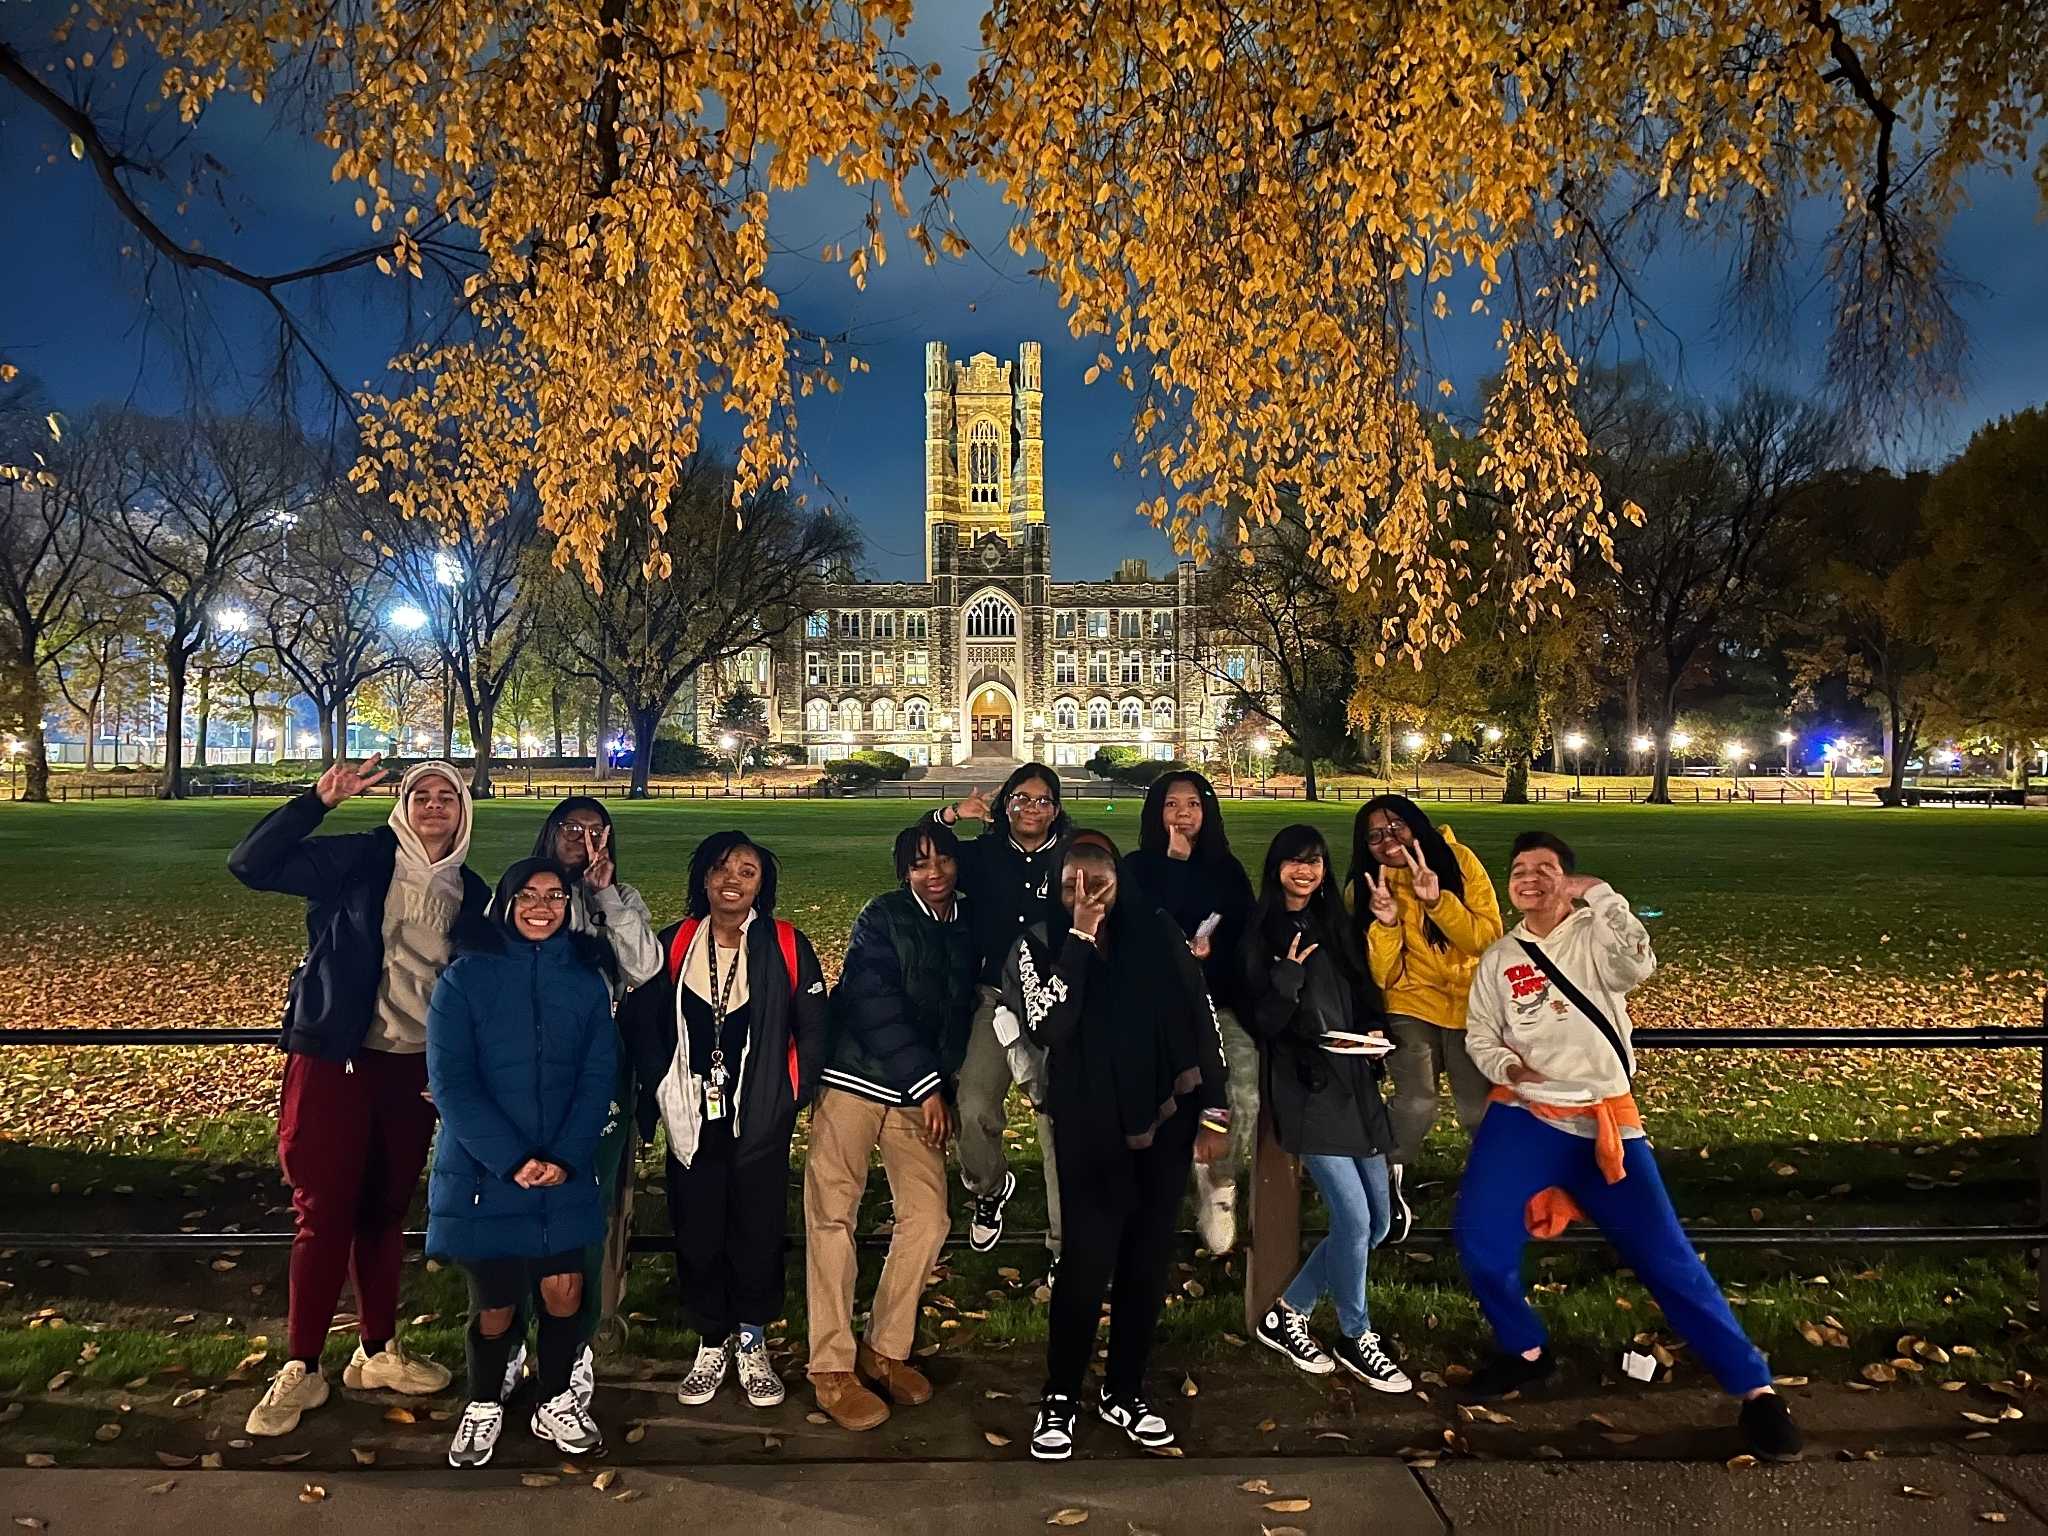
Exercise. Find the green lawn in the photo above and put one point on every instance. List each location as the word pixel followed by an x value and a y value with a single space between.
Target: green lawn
pixel 122 914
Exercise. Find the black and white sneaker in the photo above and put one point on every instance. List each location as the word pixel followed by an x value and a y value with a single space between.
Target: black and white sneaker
pixel 1136 1418
pixel 515 1372
pixel 567 1425
pixel 1052 1436
pixel 477 1435
pixel 1364 1358
pixel 1286 1330
pixel 1404 1219
pixel 706 1376
pixel 583 1377
pixel 757 1374
pixel 985 1227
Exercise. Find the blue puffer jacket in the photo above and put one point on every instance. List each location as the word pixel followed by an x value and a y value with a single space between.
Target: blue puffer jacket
pixel 522 1058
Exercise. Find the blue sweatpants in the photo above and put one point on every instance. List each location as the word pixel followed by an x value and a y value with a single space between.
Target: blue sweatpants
pixel 1514 1157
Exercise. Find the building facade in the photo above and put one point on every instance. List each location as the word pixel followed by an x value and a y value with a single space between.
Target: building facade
pixel 989 657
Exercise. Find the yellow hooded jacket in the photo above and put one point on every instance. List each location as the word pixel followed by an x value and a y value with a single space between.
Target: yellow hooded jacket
pixel 1417 978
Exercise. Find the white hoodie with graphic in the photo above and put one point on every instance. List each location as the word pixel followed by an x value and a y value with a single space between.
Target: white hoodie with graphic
pixel 420 909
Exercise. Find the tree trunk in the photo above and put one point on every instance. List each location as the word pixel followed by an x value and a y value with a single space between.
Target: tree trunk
pixel 601 760
pixel 205 721
pixel 1634 704
pixel 646 721
pixel 1308 777
pixel 1557 763
pixel 1894 760
pixel 341 727
pixel 172 786
pixel 2015 764
pixel 1515 791
pixel 1386 749
pixel 481 720
pixel 447 713
pixel 555 708
pixel 325 723
pixel 1899 732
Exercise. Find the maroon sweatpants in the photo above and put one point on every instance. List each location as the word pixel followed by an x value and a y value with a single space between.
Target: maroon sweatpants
pixel 352 1139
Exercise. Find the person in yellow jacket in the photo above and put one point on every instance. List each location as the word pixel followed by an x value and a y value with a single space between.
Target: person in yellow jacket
pixel 1428 912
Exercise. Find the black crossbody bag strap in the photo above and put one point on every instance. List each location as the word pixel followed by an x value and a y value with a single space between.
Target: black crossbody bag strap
pixel 1578 1000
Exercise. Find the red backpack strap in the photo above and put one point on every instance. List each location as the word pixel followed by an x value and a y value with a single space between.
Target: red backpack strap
pixel 686 930
pixel 785 936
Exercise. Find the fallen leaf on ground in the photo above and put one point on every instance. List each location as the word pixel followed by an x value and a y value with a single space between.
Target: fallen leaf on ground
pixel 210 1462
pixel 400 1416
pixel 995 1439
pixel 628 1495
pixel 289 1459
pixel 312 1493
pixel 1909 1491
pixel 31 1523
pixel 38 1459
pixel 163 1487
pixel 636 1434
pixel 188 1397
pixel 538 1480
pixel 1255 1485
pixel 1068 1517
pixel 605 1479
pixel 1741 1463
pixel 1878 1371
pixel 1188 1387
pixel 814 1417
pixel 1292 1506
pixel 365 1457
pixel 1170 1452
pixel 167 1459
pixel 1992 1517
pixel 58 1382
pixel 107 1432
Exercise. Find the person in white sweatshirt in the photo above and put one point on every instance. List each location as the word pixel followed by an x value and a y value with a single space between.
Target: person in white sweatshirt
pixel 1562 1140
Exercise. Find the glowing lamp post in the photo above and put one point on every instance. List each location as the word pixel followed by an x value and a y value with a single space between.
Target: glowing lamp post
pixel 1575 744
pixel 1414 742
pixel 1262 762
pixel 1734 752
pixel 1637 746
pixel 1785 740
pixel 726 744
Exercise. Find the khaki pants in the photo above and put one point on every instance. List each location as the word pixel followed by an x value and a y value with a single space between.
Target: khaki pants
pixel 845 1128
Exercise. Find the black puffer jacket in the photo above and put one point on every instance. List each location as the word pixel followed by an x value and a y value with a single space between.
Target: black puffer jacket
pixel 905 999
pixel 343 881
pixel 1322 1103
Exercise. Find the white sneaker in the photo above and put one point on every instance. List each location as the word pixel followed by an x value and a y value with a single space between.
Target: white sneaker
pixel 1136 1418
pixel 583 1377
pixel 567 1425
pixel 292 1392
pixel 757 1376
pixel 1216 1214
pixel 1397 1231
pixel 477 1435
pixel 515 1372
pixel 392 1369
pixel 985 1226
pixel 705 1377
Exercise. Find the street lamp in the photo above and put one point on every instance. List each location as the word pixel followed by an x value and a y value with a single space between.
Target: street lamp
pixel 234 620
pixel 1414 743
pixel 1680 740
pixel 1785 740
pixel 408 619
pixel 448 575
pixel 1637 746
pixel 1733 752
pixel 726 743
pixel 13 767
pixel 1262 746
pixel 1575 744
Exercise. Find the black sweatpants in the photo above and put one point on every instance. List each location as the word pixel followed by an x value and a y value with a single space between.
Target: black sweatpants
pixel 730 1218
pixel 1119 1238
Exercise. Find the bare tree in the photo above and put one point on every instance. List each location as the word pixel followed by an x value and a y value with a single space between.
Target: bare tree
pixel 201 500
pixel 326 598
pixel 713 581
pixel 48 557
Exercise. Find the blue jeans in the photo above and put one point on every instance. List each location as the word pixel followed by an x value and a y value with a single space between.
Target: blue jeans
pixel 1354 1190
pixel 1514 1156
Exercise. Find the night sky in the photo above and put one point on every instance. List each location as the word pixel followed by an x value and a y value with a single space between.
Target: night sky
pixel 70 313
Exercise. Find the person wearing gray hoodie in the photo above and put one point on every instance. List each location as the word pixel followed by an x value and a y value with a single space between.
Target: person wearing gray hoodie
pixel 354 1119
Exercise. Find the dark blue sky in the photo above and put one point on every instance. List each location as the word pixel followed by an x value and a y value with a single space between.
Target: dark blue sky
pixel 71 315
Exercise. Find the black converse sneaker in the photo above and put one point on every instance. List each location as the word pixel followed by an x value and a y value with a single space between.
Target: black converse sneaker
pixel 1507 1373
pixel 1768 1428
pixel 1136 1418
pixel 1286 1330
pixel 985 1227
pixel 1404 1219
pixel 1364 1358
pixel 1052 1437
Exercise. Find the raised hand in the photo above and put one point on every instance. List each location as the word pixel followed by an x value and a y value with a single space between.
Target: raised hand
pixel 341 781
pixel 597 874
pixel 1296 953
pixel 975 807
pixel 1210 1145
pixel 1380 900
pixel 1091 903
pixel 1428 884
pixel 1576 886
pixel 1178 844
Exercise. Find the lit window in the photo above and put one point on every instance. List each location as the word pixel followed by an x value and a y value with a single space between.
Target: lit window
pixel 917 668
pixel 816 626
pixel 1162 670
pixel 850 669
pixel 814 668
pixel 1066 715
pixel 983 482
pixel 1063 668
pixel 1098 714
pixel 817 715
pixel 849 714
pixel 914 715
pixel 989 617
pixel 1133 714
pixel 884 713
pixel 1162 713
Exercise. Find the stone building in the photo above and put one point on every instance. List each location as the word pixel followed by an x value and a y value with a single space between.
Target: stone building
pixel 989 659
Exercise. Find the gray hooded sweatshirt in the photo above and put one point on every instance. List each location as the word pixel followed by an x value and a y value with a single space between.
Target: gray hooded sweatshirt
pixel 420 909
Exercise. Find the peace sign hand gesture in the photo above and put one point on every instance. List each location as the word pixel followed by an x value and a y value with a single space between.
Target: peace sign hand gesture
pixel 1428 885
pixel 341 781
pixel 1091 904
pixel 1296 953
pixel 1379 898
pixel 597 874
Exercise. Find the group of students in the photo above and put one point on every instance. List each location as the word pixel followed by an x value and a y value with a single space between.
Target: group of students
pixel 1153 1007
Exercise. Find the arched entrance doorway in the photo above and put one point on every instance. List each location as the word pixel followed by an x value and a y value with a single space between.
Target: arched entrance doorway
pixel 992 719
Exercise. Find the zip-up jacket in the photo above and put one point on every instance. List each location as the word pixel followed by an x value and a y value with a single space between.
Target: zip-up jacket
pixel 343 881
pixel 1007 890
pixel 904 1002
pixel 521 1058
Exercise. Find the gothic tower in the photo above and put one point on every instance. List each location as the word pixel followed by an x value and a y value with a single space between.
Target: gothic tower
pixel 984 446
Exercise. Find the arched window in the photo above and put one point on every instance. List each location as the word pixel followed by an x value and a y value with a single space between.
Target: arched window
pixel 983 477
pixel 990 617
pixel 1098 714
pixel 914 715
pixel 1066 715
pixel 1133 714
pixel 849 714
pixel 1162 713
pixel 817 715
pixel 884 714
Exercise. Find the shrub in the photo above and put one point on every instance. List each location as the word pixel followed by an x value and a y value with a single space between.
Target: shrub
pixel 672 755
pixel 1107 760
pixel 1141 774
pixel 891 765
pixel 851 773
pixel 780 754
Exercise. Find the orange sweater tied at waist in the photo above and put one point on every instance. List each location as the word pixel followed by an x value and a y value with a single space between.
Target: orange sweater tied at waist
pixel 1550 1211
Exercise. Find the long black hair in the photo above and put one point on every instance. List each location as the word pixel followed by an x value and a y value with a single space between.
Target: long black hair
pixel 544 841
pixel 999 824
pixel 714 851
pixel 493 933
pixel 1327 922
pixel 1212 846
pixel 1429 843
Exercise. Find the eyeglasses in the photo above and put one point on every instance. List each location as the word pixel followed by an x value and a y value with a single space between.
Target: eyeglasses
pixel 1379 835
pixel 577 832
pixel 552 898
pixel 1021 802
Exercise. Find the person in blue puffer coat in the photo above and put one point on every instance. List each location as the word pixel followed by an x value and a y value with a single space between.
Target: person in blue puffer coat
pixel 521 1060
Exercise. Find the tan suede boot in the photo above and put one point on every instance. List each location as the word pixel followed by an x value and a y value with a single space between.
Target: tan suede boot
pixel 847 1403
pixel 904 1383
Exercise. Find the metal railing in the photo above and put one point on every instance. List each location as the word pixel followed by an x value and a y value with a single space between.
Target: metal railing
pixel 1767 1038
